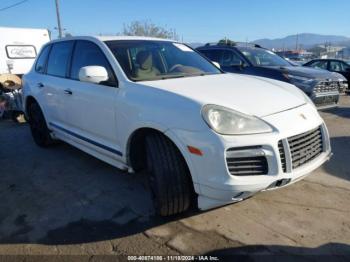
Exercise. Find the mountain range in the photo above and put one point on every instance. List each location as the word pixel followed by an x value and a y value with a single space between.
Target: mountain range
pixel 304 41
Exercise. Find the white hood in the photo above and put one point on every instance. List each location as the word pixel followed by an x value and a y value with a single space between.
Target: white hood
pixel 246 94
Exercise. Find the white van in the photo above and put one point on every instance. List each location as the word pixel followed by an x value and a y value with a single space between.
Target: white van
pixel 19 48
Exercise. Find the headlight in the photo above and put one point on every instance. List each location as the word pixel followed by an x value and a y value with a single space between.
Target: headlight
pixel 295 78
pixel 226 121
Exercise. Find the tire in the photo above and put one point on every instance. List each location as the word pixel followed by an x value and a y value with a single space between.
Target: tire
pixel 40 132
pixel 170 181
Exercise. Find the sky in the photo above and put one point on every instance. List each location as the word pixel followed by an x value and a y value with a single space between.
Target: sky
pixel 193 20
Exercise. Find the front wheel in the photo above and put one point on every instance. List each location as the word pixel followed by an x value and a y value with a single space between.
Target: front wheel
pixel 170 181
pixel 38 126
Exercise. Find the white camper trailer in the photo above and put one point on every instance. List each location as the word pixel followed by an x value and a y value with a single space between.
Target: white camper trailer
pixel 18 50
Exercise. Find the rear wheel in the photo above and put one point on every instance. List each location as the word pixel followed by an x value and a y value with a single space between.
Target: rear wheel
pixel 38 127
pixel 170 181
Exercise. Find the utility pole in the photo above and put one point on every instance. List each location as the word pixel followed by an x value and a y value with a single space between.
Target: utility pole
pixel 297 42
pixel 60 35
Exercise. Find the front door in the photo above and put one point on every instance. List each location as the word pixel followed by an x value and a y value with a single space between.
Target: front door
pixel 92 107
pixel 55 81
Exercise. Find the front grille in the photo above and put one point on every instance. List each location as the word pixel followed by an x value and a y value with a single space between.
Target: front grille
pixel 303 148
pixel 245 166
pixel 327 86
pixel 326 100
pixel 282 156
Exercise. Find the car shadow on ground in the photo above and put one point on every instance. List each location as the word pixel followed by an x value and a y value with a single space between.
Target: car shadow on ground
pixel 328 252
pixel 339 163
pixel 343 112
pixel 62 195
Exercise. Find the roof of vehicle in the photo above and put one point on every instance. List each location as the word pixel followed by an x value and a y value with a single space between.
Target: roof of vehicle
pixel 327 59
pixel 21 28
pixel 113 38
pixel 230 45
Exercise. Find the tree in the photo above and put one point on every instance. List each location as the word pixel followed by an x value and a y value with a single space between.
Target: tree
pixel 146 28
pixel 226 42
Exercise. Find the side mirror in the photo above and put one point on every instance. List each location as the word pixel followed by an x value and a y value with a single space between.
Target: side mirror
pixel 216 64
pixel 93 74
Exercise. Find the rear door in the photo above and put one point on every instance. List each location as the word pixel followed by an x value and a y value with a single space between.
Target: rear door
pixel 55 82
pixel 340 67
pixel 91 108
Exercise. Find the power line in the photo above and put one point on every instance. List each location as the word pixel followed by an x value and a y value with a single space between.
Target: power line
pixel 13 5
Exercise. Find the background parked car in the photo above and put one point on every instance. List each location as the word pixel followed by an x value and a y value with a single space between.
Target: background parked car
pixel 320 85
pixel 333 65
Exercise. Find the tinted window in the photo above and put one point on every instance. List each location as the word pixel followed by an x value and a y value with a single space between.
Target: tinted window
pixel 59 58
pixel 40 64
pixel 345 66
pixel 88 54
pixel 337 66
pixel 226 58
pixel 230 58
pixel 213 55
pixel 263 57
pixel 319 64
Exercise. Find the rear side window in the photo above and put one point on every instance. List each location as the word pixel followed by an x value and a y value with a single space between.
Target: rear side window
pixel 89 54
pixel 229 58
pixel 225 58
pixel 41 63
pixel 213 55
pixel 59 58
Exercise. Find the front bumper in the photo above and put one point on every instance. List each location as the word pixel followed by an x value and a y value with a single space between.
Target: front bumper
pixel 325 100
pixel 213 181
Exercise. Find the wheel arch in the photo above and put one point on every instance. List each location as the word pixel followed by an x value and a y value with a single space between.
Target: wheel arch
pixel 27 102
pixel 136 152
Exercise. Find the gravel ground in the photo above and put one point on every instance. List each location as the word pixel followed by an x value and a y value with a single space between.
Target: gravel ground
pixel 63 201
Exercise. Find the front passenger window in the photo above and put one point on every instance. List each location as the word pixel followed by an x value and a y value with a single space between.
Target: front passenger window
pixel 319 65
pixel 89 54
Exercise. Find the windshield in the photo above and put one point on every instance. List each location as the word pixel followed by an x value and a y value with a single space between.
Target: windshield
pixel 263 57
pixel 144 60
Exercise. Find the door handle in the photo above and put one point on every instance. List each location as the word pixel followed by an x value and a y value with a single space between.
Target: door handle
pixel 68 92
pixel 40 85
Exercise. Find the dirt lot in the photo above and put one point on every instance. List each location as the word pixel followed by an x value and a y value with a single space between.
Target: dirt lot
pixel 63 201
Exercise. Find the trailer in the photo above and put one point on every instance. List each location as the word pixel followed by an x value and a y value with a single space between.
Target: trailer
pixel 18 50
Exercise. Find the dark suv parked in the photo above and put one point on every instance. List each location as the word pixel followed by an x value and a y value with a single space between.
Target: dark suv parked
pixel 320 85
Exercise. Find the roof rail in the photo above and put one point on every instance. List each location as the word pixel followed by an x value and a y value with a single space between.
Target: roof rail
pixel 233 43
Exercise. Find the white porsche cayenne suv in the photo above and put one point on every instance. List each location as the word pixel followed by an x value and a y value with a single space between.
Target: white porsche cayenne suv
pixel 205 138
